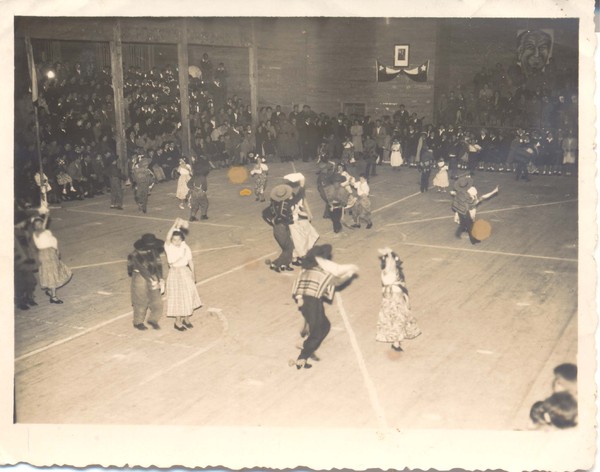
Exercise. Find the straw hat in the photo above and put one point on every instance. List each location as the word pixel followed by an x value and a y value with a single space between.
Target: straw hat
pixel 281 192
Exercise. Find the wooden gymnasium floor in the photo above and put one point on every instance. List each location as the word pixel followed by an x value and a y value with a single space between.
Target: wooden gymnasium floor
pixel 496 318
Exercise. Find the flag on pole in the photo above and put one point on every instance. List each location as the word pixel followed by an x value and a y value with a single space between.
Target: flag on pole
pixel 418 74
pixel 385 74
pixel 32 72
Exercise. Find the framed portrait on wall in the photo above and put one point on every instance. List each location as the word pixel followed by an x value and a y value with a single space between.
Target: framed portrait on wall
pixel 401 55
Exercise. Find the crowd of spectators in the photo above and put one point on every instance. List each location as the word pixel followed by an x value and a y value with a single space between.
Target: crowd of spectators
pixel 495 98
pixel 76 116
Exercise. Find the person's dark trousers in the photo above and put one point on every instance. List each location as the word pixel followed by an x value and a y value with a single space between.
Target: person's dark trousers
pixel 116 192
pixel 425 180
pixel 281 232
pixel 308 153
pixel 199 201
pixel 379 154
pixel 473 162
pixel 465 224
pixel 453 168
pixel 88 187
pixel 336 218
pixel 522 171
pixel 326 212
pixel 78 186
pixel 371 168
pixel 141 194
pixel 314 313
pixel 144 298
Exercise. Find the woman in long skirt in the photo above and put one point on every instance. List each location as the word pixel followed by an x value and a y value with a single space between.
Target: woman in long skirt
pixel 303 233
pixel 182 294
pixel 396 322
pixel 396 159
pixel 52 271
pixel 185 174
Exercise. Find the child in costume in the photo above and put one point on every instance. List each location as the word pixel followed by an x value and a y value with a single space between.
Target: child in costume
pixel 440 181
pixel 260 172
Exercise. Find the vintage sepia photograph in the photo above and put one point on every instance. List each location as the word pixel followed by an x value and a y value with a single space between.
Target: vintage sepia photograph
pixel 401 55
pixel 233 225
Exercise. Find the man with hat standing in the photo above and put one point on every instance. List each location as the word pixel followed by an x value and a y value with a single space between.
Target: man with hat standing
pixel 143 178
pixel 147 284
pixel 117 178
pixel 280 216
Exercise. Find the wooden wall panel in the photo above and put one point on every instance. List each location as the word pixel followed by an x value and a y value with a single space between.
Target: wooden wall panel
pixel 327 62
pixel 472 44
pixel 281 61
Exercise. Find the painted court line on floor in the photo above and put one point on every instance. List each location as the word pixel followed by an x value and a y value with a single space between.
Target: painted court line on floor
pixel 129 313
pixel 120 261
pixel 426 220
pixel 123 215
pixel 160 373
pixel 497 253
pixel 375 403
pixel 394 203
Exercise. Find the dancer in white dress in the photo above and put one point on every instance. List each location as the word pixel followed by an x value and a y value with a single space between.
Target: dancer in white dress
pixel 182 294
pixel 396 155
pixel 185 174
pixel 440 181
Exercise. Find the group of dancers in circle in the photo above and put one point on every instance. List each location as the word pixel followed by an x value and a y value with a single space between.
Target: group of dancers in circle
pixel 290 216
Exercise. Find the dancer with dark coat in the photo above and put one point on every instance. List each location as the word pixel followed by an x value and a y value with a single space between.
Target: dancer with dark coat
pixel 317 282
pixel 465 203
pixel 144 179
pixel 117 177
pixel 337 199
pixel 198 186
pixel 147 283
pixel 279 215
pixel 324 178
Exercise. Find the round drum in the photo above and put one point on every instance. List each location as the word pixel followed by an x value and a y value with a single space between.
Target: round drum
pixel 482 229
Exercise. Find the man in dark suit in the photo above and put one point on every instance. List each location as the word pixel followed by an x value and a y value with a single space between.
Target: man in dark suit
pixel 339 131
pixel 309 139
pixel 277 115
pixel 379 134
